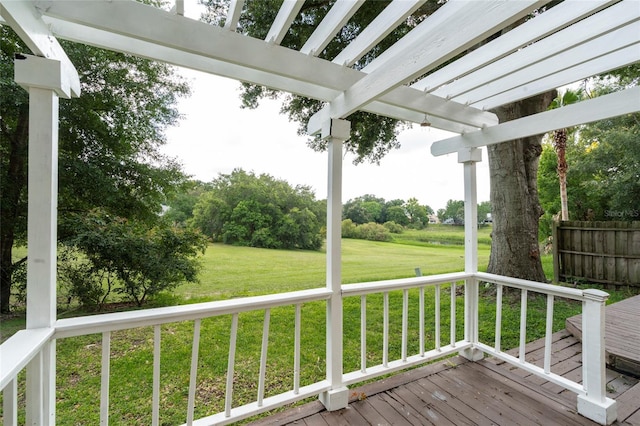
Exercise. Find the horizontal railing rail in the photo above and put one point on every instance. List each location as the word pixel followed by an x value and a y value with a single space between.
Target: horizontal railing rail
pixel 16 353
pixel 409 294
pixel 107 323
pixel 147 317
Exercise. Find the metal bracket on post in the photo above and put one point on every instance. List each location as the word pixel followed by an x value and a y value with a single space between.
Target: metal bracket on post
pixel 469 157
pixel 335 131
pixel 594 404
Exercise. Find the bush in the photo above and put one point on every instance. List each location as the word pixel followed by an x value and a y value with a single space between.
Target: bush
pixel 373 232
pixel 349 229
pixel 393 227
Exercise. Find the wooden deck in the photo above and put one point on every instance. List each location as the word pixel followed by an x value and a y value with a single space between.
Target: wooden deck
pixel 622 331
pixel 459 392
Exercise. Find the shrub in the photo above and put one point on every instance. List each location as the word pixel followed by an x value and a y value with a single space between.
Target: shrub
pixel 373 231
pixel 393 227
pixel 349 229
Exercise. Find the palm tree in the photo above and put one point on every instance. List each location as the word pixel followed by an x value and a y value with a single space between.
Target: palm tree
pixel 560 145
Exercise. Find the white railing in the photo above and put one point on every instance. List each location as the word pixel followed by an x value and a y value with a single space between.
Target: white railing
pixel 26 347
pixel 421 355
pixel 20 351
pixel 592 400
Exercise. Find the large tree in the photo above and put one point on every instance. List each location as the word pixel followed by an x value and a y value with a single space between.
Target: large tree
pixel 513 164
pixel 109 140
pixel 260 211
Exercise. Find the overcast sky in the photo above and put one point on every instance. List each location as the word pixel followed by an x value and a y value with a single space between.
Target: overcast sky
pixel 216 136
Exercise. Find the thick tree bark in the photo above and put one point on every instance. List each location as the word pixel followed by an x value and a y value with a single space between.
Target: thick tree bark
pixel 560 144
pixel 10 206
pixel 515 206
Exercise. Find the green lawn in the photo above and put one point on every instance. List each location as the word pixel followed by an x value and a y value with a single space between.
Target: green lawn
pixel 230 272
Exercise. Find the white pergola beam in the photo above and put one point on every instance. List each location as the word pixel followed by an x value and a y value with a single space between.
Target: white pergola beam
pixel 580 54
pixel 403 114
pixel 600 108
pixel 25 21
pixel 406 97
pixel 434 44
pixel 286 15
pixel 316 90
pixel 618 59
pixel 335 19
pixel 558 45
pixel 560 16
pixel 117 25
pixel 233 16
pixel 322 89
pixel 392 16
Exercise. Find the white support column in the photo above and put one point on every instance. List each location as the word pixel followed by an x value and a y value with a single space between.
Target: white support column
pixel 42 78
pixel 469 157
pixel 594 404
pixel 335 132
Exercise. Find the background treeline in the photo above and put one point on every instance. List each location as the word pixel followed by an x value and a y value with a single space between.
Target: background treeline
pixel 245 209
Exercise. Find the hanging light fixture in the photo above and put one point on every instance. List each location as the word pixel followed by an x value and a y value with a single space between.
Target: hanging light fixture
pixel 425 122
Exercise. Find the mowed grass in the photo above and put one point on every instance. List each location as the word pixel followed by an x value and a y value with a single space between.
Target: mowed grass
pixel 230 272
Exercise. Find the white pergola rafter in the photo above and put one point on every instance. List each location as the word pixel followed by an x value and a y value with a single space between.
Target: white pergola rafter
pixel 436 41
pixel 392 16
pixel 233 16
pixel 581 54
pixel 337 17
pixel 607 31
pixel 212 49
pixel 286 15
pixel 559 17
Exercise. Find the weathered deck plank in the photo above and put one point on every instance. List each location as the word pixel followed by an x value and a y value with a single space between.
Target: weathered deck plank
pixel 488 392
pixel 622 345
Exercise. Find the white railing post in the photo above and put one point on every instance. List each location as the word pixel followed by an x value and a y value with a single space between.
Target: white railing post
pixel 469 157
pixel 594 404
pixel 335 132
pixel 43 78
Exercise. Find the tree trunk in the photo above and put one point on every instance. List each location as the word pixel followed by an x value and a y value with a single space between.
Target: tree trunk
pixel 560 144
pixel 11 207
pixel 515 207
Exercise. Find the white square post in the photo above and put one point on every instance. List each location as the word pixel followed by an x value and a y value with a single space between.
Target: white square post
pixel 469 157
pixel 335 132
pixel 42 78
pixel 594 404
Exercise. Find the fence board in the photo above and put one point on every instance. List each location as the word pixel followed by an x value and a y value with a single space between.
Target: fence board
pixel 602 252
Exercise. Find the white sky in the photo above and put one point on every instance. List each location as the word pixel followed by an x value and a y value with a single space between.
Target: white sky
pixel 216 136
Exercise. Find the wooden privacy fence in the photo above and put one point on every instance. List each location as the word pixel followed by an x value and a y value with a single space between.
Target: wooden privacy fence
pixel 601 252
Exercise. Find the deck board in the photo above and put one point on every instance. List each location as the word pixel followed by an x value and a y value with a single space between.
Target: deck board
pixel 622 345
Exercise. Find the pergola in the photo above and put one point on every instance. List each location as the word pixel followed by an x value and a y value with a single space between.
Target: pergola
pixel 409 81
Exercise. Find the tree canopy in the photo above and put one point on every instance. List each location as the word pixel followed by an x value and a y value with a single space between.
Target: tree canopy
pixel 603 165
pixel 109 145
pixel 260 211
pixel 371 209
